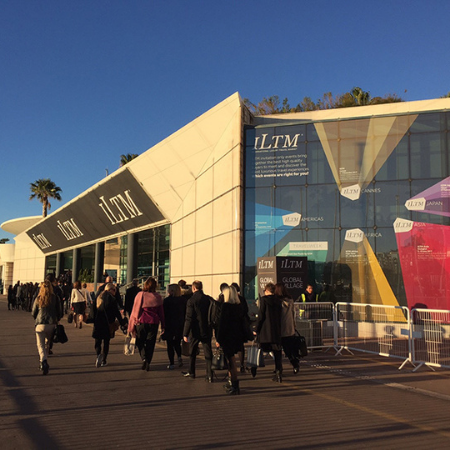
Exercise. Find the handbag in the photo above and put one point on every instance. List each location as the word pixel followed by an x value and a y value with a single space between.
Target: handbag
pixel 59 335
pixel 70 317
pixel 129 346
pixel 299 345
pixel 113 327
pixel 219 362
pixel 185 348
pixel 255 356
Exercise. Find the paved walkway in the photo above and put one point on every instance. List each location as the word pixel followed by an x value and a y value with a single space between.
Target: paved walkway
pixel 344 402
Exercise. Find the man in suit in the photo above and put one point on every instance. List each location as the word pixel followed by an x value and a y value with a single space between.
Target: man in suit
pixel 197 329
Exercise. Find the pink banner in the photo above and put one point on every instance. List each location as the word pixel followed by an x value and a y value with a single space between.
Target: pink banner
pixel 424 251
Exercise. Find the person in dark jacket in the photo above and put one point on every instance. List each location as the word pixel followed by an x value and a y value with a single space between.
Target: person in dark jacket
pixel 117 296
pixel 60 297
pixel 244 306
pixel 287 325
pixel 11 298
pixel 130 295
pixel 46 311
pixel 197 329
pixel 268 329
pixel 106 312
pixel 229 327
pixel 67 290
pixel 174 313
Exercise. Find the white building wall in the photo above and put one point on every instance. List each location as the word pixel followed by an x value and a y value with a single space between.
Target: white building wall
pixel 195 178
pixel 29 261
pixel 6 265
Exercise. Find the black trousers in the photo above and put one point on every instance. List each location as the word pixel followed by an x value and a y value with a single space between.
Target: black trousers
pixel 146 339
pixel 173 346
pixel 98 347
pixel 207 350
pixel 289 350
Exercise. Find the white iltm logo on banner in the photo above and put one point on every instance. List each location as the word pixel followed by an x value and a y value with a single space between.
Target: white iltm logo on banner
pixel 121 206
pixel 292 220
pixel 416 204
pixel 355 235
pixel 275 142
pixel 403 225
pixel 351 192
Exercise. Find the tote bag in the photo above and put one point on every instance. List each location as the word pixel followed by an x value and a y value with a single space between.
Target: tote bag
pixel 255 356
pixel 129 346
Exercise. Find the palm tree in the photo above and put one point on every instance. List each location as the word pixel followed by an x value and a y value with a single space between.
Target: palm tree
pixel 125 159
pixel 44 189
pixel 361 97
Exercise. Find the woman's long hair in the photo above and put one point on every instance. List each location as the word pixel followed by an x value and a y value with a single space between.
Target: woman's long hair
pixel 108 287
pixel 230 295
pixel 150 285
pixel 174 290
pixel 281 291
pixel 45 293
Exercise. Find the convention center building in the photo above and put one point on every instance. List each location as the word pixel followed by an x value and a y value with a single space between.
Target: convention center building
pixel 354 201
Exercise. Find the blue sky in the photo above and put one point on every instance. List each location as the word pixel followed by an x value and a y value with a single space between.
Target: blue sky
pixel 82 82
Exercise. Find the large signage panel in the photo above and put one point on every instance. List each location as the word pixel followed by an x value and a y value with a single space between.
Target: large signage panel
pixel 279 155
pixel 291 270
pixel 116 206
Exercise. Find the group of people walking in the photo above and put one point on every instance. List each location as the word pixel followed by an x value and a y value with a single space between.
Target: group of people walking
pixel 185 317
pixel 20 295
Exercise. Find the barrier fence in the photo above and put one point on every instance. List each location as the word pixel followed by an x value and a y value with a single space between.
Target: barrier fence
pixel 430 336
pixel 421 337
pixel 315 321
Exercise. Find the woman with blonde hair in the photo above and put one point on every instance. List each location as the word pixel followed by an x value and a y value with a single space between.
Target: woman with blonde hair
pixel 46 311
pixel 106 311
pixel 147 314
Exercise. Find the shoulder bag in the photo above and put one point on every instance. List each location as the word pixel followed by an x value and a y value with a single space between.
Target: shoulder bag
pixel 219 362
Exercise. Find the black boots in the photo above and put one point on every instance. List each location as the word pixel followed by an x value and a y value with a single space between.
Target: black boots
pixel 277 378
pixel 44 367
pixel 227 386
pixel 232 387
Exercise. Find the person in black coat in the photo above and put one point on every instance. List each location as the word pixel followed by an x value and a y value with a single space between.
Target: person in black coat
pixel 174 313
pixel 197 329
pixel 106 312
pixel 244 307
pixel 229 332
pixel 117 296
pixel 268 328
pixel 11 298
pixel 130 295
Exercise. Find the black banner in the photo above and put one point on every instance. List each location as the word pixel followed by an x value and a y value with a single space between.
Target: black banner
pixel 291 270
pixel 116 206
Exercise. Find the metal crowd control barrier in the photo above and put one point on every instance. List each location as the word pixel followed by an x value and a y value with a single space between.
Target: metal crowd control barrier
pixel 430 335
pixel 315 321
pixel 377 329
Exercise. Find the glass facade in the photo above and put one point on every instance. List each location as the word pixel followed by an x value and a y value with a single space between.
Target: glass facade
pixel 367 201
pixel 152 256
